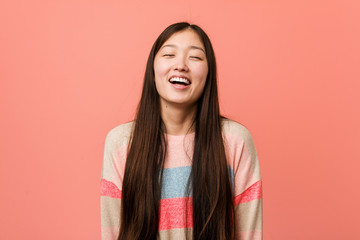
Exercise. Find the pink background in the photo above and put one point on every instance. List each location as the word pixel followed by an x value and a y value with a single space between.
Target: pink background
pixel 72 70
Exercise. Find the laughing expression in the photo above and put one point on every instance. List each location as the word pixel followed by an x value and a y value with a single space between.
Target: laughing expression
pixel 181 68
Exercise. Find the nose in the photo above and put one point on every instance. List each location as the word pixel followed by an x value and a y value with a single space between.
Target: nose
pixel 180 64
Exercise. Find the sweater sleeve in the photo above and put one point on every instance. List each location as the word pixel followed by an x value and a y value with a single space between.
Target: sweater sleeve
pixel 110 187
pixel 247 187
pixel 243 160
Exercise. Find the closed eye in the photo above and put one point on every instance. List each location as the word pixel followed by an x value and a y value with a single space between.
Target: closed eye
pixel 196 57
pixel 170 55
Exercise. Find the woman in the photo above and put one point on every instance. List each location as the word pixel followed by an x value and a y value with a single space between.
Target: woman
pixel 180 170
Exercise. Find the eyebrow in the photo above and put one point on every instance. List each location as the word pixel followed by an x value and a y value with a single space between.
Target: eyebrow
pixel 174 46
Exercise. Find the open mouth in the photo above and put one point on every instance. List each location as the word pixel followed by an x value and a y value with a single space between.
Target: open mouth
pixel 180 81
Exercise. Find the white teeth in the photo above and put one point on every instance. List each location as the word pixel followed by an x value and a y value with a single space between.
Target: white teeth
pixel 177 79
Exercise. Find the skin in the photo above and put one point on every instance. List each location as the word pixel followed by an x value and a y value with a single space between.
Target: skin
pixel 182 54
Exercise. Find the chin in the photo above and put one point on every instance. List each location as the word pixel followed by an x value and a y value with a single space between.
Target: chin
pixel 179 102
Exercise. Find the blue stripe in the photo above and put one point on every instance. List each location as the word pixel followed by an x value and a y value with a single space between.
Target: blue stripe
pixel 232 176
pixel 175 181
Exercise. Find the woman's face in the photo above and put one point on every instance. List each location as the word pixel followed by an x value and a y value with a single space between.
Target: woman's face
pixel 181 68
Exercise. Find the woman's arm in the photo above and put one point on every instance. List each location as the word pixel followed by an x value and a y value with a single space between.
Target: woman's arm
pixel 247 184
pixel 110 201
pixel 248 192
pixel 110 186
pixel 248 213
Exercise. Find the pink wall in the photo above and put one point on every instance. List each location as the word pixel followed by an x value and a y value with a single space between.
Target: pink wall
pixel 72 70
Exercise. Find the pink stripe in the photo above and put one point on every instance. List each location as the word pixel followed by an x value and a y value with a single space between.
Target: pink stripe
pixel 173 213
pixel 109 189
pixel 252 193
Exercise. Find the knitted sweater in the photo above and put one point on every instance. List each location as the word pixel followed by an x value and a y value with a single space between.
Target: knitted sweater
pixel 175 206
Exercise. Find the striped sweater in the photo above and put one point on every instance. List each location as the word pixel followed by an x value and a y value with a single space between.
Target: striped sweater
pixel 175 205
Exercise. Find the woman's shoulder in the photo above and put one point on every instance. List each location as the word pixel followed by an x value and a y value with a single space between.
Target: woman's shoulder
pixel 120 134
pixel 234 128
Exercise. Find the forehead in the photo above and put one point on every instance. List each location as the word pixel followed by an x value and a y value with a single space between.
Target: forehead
pixel 184 38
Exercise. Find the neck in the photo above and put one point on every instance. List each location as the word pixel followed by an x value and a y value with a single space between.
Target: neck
pixel 178 119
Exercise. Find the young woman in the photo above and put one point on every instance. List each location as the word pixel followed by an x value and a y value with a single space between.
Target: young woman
pixel 180 170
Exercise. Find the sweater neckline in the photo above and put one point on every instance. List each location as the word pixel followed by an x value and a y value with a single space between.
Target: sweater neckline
pixel 178 137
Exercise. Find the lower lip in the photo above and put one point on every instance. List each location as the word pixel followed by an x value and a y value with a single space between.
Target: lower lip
pixel 180 86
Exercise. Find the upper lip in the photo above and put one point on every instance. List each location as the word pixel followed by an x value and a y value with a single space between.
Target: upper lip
pixel 180 76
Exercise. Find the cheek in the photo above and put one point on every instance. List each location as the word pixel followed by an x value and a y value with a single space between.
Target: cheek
pixel 160 68
pixel 160 74
pixel 202 72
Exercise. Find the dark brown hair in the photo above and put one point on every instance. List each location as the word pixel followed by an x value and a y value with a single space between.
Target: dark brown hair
pixel 209 181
